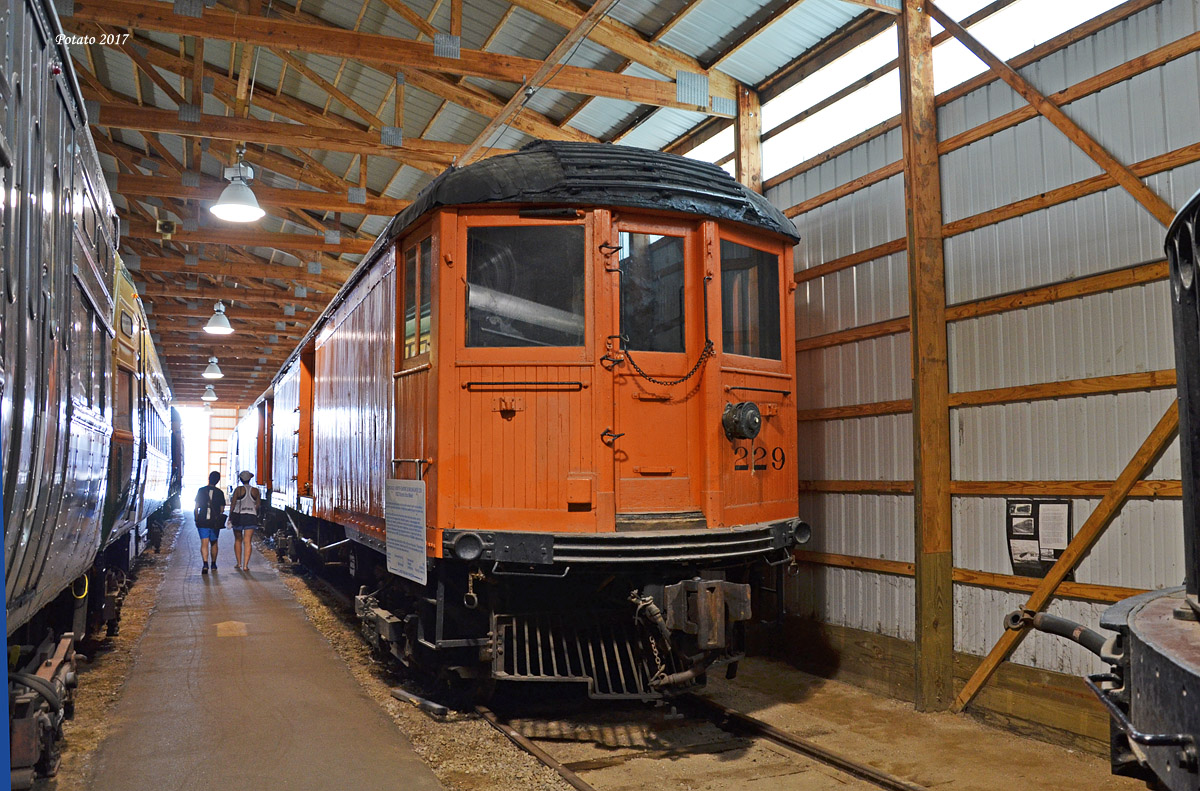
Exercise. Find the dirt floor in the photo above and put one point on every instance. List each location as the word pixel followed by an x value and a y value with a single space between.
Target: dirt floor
pixel 938 751
pixel 107 666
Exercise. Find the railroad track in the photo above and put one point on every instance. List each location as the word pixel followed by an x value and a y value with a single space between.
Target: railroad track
pixel 710 729
pixel 584 748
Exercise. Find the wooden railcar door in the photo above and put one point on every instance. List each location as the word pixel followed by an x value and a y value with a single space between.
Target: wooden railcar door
pixel 657 396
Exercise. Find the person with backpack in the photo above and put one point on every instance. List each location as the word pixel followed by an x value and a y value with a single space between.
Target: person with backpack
pixel 243 518
pixel 210 516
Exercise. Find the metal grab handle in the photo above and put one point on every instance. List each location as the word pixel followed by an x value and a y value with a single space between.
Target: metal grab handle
pixel 500 571
pixel 608 437
pixel 1184 740
pixel 614 360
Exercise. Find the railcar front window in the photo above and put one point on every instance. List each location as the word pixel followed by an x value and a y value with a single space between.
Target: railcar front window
pixel 525 286
pixel 750 301
pixel 652 313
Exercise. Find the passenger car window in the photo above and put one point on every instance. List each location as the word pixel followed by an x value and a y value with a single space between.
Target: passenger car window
pixel 123 417
pixel 525 286
pixel 652 311
pixel 418 283
pixel 750 301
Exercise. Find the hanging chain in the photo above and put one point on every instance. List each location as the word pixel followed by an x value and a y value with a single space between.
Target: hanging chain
pixel 474 575
pixel 644 607
pixel 703 358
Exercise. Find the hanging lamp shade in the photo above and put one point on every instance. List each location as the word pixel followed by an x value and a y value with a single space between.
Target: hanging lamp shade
pixel 213 371
pixel 218 324
pixel 209 394
pixel 237 203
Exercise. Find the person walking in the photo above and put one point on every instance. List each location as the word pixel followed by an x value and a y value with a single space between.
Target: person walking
pixel 210 516
pixel 243 518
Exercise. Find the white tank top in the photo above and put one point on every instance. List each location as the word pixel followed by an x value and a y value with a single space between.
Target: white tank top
pixel 246 505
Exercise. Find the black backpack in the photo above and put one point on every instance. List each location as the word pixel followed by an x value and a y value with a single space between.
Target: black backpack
pixel 208 511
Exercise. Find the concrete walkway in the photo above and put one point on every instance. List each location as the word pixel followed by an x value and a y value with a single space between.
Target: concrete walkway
pixel 233 689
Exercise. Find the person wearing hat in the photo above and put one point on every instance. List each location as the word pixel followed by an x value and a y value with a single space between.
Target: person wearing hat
pixel 243 518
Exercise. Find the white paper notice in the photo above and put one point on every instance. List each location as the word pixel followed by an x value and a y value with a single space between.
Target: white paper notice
pixel 1052 525
pixel 404 513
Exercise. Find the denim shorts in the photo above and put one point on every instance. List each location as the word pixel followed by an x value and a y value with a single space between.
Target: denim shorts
pixel 211 533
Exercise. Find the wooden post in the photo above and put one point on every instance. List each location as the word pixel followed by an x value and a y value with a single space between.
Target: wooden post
pixel 931 411
pixel 747 139
pixel 1158 440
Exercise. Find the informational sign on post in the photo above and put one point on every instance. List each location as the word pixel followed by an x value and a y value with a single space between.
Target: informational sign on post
pixel 404 514
pixel 1038 531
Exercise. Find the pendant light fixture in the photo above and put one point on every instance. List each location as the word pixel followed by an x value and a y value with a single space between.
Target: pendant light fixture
pixel 218 324
pixel 213 371
pixel 209 394
pixel 237 202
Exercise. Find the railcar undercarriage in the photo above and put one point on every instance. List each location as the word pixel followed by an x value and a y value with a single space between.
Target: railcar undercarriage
pixel 629 624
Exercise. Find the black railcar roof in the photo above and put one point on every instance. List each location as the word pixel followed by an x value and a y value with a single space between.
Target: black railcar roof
pixel 558 173
pixel 597 174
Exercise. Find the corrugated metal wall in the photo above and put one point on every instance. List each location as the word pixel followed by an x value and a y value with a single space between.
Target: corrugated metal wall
pixel 1114 333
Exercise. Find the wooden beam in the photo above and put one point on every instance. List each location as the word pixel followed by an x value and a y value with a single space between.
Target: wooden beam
pixel 542 76
pixel 142 119
pixel 1083 591
pixel 1094 385
pixel 1087 536
pixel 875 5
pixel 332 90
pixel 931 409
pixel 627 42
pixel 480 101
pixel 252 238
pixel 747 139
pixel 1020 208
pixel 1042 295
pixel 1118 171
pixel 1151 489
pixel 232 292
pixel 210 190
pixel 412 17
pixel 870 77
pixel 1092 26
pixel 220 24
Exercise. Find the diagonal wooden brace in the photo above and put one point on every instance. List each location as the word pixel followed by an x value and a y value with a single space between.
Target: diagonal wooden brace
pixel 1084 540
pixel 1122 174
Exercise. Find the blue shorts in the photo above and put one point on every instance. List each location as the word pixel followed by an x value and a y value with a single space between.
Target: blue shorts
pixel 211 533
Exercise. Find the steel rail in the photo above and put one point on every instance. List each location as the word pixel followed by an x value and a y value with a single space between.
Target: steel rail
pixel 574 780
pixel 731 720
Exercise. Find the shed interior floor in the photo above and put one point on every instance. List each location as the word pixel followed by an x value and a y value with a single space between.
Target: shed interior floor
pixel 943 751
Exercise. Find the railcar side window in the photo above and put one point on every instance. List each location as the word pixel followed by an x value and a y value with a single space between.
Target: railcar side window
pixel 418 282
pixel 81 348
pixel 525 286
pixel 123 417
pixel 652 313
pixel 750 301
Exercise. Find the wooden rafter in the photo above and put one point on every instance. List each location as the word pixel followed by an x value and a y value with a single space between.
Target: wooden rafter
pixel 223 25
pixel 629 43
pixel 143 119
pixel 584 27
pixel 253 238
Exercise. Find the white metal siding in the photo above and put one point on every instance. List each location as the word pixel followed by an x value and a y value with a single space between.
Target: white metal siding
pixel 1125 331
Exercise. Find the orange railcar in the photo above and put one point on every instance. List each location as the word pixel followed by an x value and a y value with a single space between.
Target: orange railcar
pixel 553 413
